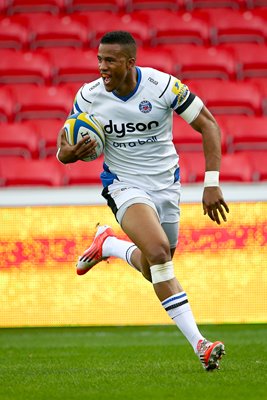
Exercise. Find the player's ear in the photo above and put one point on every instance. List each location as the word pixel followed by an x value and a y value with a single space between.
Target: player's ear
pixel 131 63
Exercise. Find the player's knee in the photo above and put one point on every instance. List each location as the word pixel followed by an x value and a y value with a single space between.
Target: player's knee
pixel 158 253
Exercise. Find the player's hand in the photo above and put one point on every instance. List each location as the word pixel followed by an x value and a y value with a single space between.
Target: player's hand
pixel 214 204
pixel 71 153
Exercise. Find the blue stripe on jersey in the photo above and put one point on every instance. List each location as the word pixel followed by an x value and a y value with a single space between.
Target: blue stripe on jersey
pixel 173 298
pixel 77 107
pixel 125 98
pixel 107 177
pixel 175 101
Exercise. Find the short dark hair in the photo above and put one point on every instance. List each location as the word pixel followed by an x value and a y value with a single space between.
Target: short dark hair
pixel 123 38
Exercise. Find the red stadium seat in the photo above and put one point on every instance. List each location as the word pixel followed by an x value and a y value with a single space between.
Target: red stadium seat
pixel 186 138
pixel 13 35
pixel 258 161
pixel 194 164
pixel 3 6
pixel 84 173
pixel 72 87
pixel 133 5
pixel 24 67
pixel 170 27
pixel 97 5
pixel 202 62
pixel 261 84
pixel 85 67
pixel 227 97
pixel 18 139
pixel 158 59
pixel 234 167
pixel 22 6
pixel 7 104
pixel 15 171
pixel 234 4
pixel 256 3
pixel 250 57
pixel 47 132
pixel 235 26
pixel 246 133
pixel 137 27
pixel 54 30
pixel 35 102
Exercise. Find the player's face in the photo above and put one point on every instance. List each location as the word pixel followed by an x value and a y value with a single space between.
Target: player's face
pixel 115 66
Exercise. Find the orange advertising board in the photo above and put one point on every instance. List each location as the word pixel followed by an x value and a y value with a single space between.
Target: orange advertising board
pixel 222 269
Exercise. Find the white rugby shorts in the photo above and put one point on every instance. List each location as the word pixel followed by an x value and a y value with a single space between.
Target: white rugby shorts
pixel 165 202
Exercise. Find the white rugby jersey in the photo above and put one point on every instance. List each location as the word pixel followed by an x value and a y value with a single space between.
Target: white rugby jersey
pixel 138 128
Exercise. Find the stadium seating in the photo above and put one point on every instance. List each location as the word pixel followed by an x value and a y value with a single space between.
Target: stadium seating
pixel 193 61
pixel 194 165
pixel 150 58
pixel 186 138
pixel 173 5
pixel 137 27
pixel 227 97
pixel 61 59
pixel 72 87
pixel 54 30
pixel 261 84
pixel 35 102
pixel 13 35
pixel 256 3
pixel 3 7
pixel 16 171
pixel 23 67
pixel 170 27
pixel 18 139
pixel 246 133
pixel 235 26
pixel 251 59
pixel 185 176
pixel 115 6
pixel 84 173
pixel 46 131
pixel 234 4
pixel 234 167
pixel 258 161
pixel 7 104
pixel 23 6
pixel 48 50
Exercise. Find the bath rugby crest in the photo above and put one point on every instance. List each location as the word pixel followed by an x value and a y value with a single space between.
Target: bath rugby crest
pixel 138 127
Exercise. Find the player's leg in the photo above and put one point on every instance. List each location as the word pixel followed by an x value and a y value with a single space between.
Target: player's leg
pixel 141 225
pixel 153 257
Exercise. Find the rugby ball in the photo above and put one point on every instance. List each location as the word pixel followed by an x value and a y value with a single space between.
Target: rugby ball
pixel 80 125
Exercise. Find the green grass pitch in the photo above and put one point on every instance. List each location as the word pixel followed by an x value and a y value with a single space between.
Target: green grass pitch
pixel 110 363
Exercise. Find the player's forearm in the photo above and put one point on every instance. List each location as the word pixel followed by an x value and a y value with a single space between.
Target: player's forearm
pixel 206 124
pixel 211 139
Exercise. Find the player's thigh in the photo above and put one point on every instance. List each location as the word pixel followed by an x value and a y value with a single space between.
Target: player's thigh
pixel 140 222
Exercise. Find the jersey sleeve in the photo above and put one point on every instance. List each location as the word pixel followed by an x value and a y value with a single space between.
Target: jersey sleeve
pixel 182 101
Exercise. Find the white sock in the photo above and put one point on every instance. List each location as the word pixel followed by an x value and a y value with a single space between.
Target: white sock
pixel 179 310
pixel 114 247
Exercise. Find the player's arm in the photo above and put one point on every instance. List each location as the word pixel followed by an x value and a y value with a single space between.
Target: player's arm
pixel 67 153
pixel 213 202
